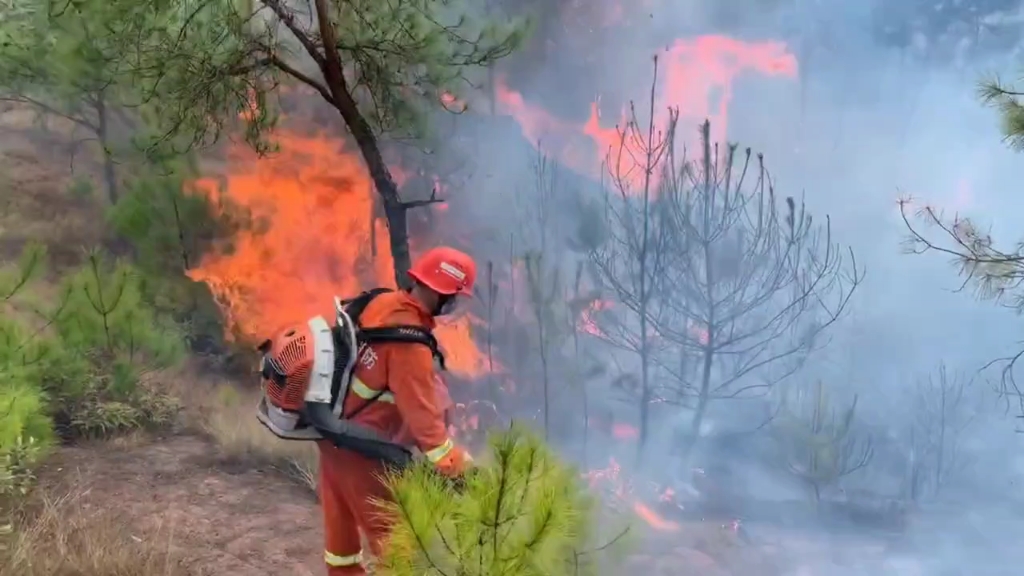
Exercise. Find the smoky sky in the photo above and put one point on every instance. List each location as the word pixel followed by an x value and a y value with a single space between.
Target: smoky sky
pixel 864 123
pixel 878 111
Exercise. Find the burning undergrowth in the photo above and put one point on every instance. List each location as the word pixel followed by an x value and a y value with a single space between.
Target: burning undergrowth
pixel 317 234
pixel 537 343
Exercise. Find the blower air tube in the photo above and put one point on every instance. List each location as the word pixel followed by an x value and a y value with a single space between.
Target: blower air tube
pixel 359 439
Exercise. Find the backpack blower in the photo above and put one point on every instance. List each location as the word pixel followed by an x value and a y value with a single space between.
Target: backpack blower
pixel 305 375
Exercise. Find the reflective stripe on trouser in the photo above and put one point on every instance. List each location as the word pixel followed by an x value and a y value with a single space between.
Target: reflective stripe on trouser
pixel 351 487
pixel 359 388
pixel 336 561
pixel 341 527
pixel 435 455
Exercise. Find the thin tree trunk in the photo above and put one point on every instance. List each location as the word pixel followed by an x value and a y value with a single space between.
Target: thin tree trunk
pixel 545 381
pixel 492 293
pixel 103 134
pixel 645 296
pixel 576 367
pixel 710 279
pixel 940 462
pixel 703 399
pixel 395 211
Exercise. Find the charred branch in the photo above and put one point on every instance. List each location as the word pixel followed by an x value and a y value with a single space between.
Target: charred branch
pixel 433 199
pixel 628 257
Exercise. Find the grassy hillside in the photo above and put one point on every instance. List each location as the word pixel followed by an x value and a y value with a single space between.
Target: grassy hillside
pixel 89 358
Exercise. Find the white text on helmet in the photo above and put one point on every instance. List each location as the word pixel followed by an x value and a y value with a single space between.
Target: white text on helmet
pixel 453 272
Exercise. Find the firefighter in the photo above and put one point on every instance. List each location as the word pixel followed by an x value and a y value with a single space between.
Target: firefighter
pixel 394 390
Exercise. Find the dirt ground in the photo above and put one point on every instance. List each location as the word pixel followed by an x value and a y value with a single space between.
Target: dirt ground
pixel 250 522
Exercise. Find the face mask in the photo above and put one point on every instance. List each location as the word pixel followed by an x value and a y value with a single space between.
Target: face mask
pixel 446 305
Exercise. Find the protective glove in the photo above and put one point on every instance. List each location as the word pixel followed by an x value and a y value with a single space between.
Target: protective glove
pixel 454 467
pixel 455 462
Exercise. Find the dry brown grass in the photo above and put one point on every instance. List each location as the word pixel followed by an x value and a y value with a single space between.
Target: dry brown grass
pixel 64 537
pixel 228 417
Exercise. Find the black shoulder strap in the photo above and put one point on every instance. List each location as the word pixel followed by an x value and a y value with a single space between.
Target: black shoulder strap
pixel 409 334
pixel 354 307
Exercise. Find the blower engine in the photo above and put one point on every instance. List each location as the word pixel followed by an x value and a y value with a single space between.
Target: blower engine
pixel 306 371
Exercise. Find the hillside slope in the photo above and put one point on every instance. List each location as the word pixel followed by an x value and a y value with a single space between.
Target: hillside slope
pixel 253 523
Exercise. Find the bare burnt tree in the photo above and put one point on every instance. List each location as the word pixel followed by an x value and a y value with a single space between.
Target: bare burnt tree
pixel 547 302
pixel 536 207
pixel 585 366
pixel 545 294
pixel 489 304
pixel 942 411
pixel 994 273
pixel 631 255
pixel 752 289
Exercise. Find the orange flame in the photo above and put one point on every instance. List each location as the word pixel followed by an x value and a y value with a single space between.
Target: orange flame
pixel 587 323
pixel 698 77
pixel 610 479
pixel 315 236
pixel 653 519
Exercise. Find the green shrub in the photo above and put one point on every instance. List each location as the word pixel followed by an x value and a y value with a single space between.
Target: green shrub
pixel 22 404
pixel 169 229
pixel 25 426
pixel 85 357
pixel 23 412
pixel 16 469
pixel 525 513
pixel 25 434
pixel 110 338
pixel 105 313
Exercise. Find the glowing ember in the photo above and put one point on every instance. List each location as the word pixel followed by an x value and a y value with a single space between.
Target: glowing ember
pixel 653 519
pixel 699 332
pixel 625 432
pixel 697 79
pixel 452 103
pixel 587 323
pixel 470 422
pixel 314 237
pixel 610 480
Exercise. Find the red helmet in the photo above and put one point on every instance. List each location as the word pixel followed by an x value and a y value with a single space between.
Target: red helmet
pixel 445 271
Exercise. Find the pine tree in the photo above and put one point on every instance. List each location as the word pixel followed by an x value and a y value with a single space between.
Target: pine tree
pixel 521 513
pixel 199 68
pixel 818 441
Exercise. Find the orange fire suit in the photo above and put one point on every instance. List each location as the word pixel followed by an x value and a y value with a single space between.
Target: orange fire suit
pixel 410 411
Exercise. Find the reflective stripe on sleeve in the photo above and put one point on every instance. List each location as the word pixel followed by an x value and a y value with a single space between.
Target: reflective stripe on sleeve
pixel 335 561
pixel 359 388
pixel 440 452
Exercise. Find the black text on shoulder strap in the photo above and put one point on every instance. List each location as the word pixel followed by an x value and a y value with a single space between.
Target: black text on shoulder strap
pixel 407 334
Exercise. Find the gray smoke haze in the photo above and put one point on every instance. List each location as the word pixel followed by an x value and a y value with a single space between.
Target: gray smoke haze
pixel 862 125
